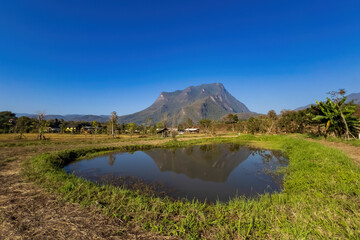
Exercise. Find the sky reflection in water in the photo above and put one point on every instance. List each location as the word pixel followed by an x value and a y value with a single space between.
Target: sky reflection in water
pixel 212 172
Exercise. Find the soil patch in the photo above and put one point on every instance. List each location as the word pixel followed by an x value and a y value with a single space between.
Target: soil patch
pixel 29 212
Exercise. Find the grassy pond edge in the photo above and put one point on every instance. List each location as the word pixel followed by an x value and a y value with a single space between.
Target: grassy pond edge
pixel 320 197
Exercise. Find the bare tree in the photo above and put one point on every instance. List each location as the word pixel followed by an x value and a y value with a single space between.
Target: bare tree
pixel 113 121
pixel 271 115
pixel 149 122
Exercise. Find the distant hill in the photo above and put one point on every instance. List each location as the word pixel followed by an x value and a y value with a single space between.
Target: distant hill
pixel 210 101
pixel 354 97
pixel 70 117
pixel 351 97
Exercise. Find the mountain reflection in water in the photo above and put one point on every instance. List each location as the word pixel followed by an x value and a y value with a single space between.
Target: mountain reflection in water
pixel 212 172
pixel 209 162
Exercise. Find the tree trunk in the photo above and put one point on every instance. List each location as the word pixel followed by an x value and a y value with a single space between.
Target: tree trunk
pixel 347 137
pixel 112 129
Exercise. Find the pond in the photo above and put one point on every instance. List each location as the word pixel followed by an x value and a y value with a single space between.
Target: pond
pixel 208 172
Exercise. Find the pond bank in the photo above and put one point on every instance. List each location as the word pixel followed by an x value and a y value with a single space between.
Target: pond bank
pixel 28 211
pixel 320 198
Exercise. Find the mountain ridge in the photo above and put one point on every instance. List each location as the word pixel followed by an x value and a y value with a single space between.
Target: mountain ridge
pixel 196 102
pixel 211 101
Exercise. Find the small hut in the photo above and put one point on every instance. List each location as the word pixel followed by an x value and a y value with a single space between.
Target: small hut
pixel 163 131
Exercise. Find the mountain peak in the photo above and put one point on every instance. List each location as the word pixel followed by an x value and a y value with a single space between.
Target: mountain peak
pixel 195 102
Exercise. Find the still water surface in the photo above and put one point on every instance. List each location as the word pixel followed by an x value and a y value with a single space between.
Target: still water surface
pixel 208 172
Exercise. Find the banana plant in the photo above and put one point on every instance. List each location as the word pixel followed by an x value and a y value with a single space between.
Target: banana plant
pixel 337 117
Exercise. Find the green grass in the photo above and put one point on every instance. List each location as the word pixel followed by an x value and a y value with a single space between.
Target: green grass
pixel 352 141
pixel 320 199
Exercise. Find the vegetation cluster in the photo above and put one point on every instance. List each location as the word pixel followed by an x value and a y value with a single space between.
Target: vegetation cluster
pixel 331 118
pixel 319 199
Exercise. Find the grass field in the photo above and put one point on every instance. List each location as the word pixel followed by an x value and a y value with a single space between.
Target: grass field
pixel 320 199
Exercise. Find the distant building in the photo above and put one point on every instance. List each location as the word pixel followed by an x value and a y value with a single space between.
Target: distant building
pixel 192 130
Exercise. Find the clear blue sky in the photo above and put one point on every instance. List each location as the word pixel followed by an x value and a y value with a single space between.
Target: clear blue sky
pixel 94 57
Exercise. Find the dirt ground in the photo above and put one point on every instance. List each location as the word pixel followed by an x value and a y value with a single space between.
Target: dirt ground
pixel 29 212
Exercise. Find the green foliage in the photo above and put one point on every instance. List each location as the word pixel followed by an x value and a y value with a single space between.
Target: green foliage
pixel 319 201
pixel 253 125
pixel 131 127
pixel 272 118
pixel 7 121
pixel 63 126
pixel 95 125
pixel 231 118
pixel 41 125
pixel 205 124
pixel 337 117
pixel 293 121
pixel 24 125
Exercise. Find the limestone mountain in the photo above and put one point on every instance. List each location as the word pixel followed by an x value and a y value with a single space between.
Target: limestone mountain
pixel 210 101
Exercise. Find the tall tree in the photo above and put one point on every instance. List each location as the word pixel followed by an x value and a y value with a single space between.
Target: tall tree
pixel 95 125
pixel 63 125
pixel 271 115
pixel 149 122
pixel 113 122
pixel 231 119
pixel 42 124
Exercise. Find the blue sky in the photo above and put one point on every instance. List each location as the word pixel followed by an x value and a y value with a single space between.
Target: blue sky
pixel 94 57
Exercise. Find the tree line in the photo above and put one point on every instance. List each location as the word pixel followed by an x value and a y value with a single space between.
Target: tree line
pixel 331 117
